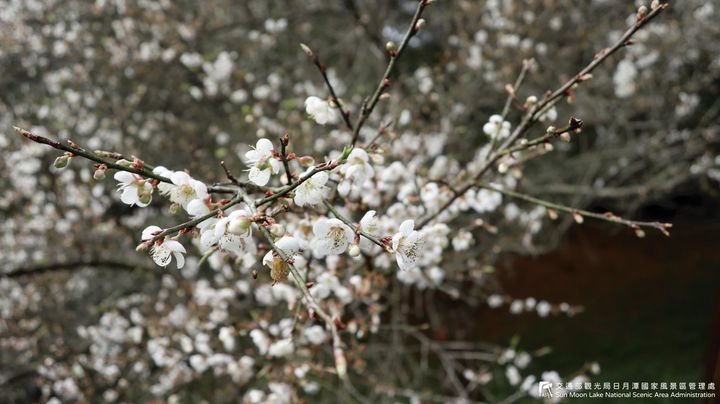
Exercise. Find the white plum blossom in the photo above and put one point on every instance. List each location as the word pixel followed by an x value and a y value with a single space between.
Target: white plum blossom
pixel 315 334
pixel 280 348
pixel 497 128
pixel 624 78
pixel 311 191
pixel 486 200
pixel 262 162
pixel 320 110
pixel 135 190
pixel 356 170
pixel 369 223
pixel 184 189
pixel 332 237
pixel 163 251
pixel 231 233
pixel 407 245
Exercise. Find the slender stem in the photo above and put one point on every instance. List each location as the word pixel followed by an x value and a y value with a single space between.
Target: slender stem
pixel 340 364
pixel 333 95
pixel 284 141
pixel 287 189
pixel 353 226
pixel 512 94
pixel 608 217
pixel 194 222
pixel 139 170
pixel 370 104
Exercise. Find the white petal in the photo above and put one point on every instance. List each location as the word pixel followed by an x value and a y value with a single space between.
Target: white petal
pixel 407 226
pixel 180 178
pixel 320 178
pixel 197 207
pixel 174 246
pixel 150 232
pixel 124 177
pixel 180 259
pixel 161 255
pixel 321 227
pixel 252 156
pixel 264 146
pixel 129 196
pixel 259 177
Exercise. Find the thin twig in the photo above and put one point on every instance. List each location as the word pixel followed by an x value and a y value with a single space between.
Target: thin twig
pixel 284 141
pixel 312 55
pixel 608 216
pixel 369 105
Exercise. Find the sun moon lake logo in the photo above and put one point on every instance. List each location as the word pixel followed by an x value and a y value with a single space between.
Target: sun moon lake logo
pixel 545 389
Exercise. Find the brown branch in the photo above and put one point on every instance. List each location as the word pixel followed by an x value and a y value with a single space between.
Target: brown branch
pixel 333 95
pixel 532 115
pixel 61 266
pixel 368 106
pixel 284 141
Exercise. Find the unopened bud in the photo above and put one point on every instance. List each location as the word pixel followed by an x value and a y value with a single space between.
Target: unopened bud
pixel 142 247
pixel 124 163
pixel 277 230
pixel 578 217
pixel 239 226
pixel 346 153
pixel 420 24
pixel 552 214
pixel 549 147
pixel 354 250
pixel 565 137
pixel 306 161
pixel 307 50
pixel 642 12
pixel 502 168
pixel 377 158
pixel 655 4
pixel 99 174
pixel 62 161
pixel 550 130
pixel 391 47
pixel 639 232
pixel 384 97
pixel 531 100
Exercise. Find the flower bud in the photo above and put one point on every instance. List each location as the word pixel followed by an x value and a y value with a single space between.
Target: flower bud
pixel 62 161
pixel 565 137
pixel 420 24
pixel 549 147
pixel 354 250
pixel 552 213
pixel 384 97
pixel 124 163
pixel 578 217
pixel 550 130
pixel 655 4
pixel 306 161
pixel 307 50
pixel 377 158
pixel 391 47
pixel 142 247
pixel 502 168
pixel 531 100
pixel 639 232
pixel 642 12
pixel 99 174
pixel 239 226
pixel 277 230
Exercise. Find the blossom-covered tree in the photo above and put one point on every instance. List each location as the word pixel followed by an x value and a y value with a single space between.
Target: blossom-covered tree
pixel 300 204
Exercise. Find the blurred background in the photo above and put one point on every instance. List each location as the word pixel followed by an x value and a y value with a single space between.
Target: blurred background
pixel 186 84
